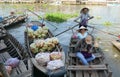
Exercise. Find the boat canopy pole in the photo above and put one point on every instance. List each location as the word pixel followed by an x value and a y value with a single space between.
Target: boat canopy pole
pixel 42 18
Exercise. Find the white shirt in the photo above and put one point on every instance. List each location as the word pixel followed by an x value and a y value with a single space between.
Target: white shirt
pixel 81 36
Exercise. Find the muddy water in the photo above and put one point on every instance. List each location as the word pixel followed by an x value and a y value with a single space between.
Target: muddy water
pixel 102 14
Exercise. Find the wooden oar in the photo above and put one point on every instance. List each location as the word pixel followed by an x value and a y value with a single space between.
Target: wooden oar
pixel 74 26
pixel 66 30
pixel 42 18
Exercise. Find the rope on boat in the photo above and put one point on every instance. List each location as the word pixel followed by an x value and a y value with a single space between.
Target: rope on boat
pixel 42 18
pixel 103 31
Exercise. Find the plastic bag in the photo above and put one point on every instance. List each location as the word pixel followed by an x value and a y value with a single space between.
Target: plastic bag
pixel 57 73
pixel 9 69
pixel 55 64
pixel 34 27
pixel 42 58
pixel 55 55
pixel 13 62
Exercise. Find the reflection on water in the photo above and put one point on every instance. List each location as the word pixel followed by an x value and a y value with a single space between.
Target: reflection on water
pixel 101 14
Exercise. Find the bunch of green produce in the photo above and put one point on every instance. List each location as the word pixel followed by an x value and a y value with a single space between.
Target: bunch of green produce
pixel 41 32
pixel 41 45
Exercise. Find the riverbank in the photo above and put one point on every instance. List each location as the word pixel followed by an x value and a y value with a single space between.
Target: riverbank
pixel 58 2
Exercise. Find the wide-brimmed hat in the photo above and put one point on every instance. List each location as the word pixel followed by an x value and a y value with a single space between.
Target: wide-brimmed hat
pixel 82 27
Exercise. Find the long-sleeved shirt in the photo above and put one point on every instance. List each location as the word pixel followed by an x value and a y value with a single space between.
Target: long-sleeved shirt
pixel 83 17
pixel 82 36
pixel 83 46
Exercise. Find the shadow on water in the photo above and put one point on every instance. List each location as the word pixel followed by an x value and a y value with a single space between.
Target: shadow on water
pixel 101 14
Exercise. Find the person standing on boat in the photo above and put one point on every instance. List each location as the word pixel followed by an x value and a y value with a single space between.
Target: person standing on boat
pixel 84 17
pixel 82 32
pixel 84 50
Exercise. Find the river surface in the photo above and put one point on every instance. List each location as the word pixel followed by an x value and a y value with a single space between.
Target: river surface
pixel 102 14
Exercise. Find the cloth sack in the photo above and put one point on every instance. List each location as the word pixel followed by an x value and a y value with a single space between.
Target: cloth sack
pixel 42 58
pixel 13 62
pixel 55 55
pixel 55 64
pixel 9 69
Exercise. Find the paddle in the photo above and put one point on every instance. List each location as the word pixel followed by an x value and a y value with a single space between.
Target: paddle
pixel 83 22
pixel 66 30
pixel 42 18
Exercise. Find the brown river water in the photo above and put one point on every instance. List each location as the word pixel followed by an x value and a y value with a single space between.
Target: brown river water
pixel 102 14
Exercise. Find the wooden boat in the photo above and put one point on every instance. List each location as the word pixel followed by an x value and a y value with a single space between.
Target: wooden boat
pixel 11 48
pixel 12 20
pixel 116 43
pixel 40 70
pixel 97 67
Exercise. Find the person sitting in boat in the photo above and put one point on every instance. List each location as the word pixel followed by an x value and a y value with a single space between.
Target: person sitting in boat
pixel 84 17
pixel 82 32
pixel 84 49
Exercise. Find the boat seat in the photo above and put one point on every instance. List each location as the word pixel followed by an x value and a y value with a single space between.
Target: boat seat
pixel 2 46
pixel 20 71
pixel 97 55
pixel 91 67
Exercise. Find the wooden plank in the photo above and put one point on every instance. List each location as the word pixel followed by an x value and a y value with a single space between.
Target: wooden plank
pixel 17 50
pixel 14 72
pixel 3 70
pixel 24 74
pixel 79 74
pixel 86 74
pixel 94 74
pixel 29 64
pixel 6 55
pixel 38 66
pixel 2 58
pixel 116 44
pixel 91 67
pixel 101 74
pixel 97 55
pixel 2 46
pixel 22 66
pixel 71 74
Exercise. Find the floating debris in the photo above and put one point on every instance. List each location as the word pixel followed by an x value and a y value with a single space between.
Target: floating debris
pixel 107 23
pixel 98 17
pixel 116 55
pixel 106 50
